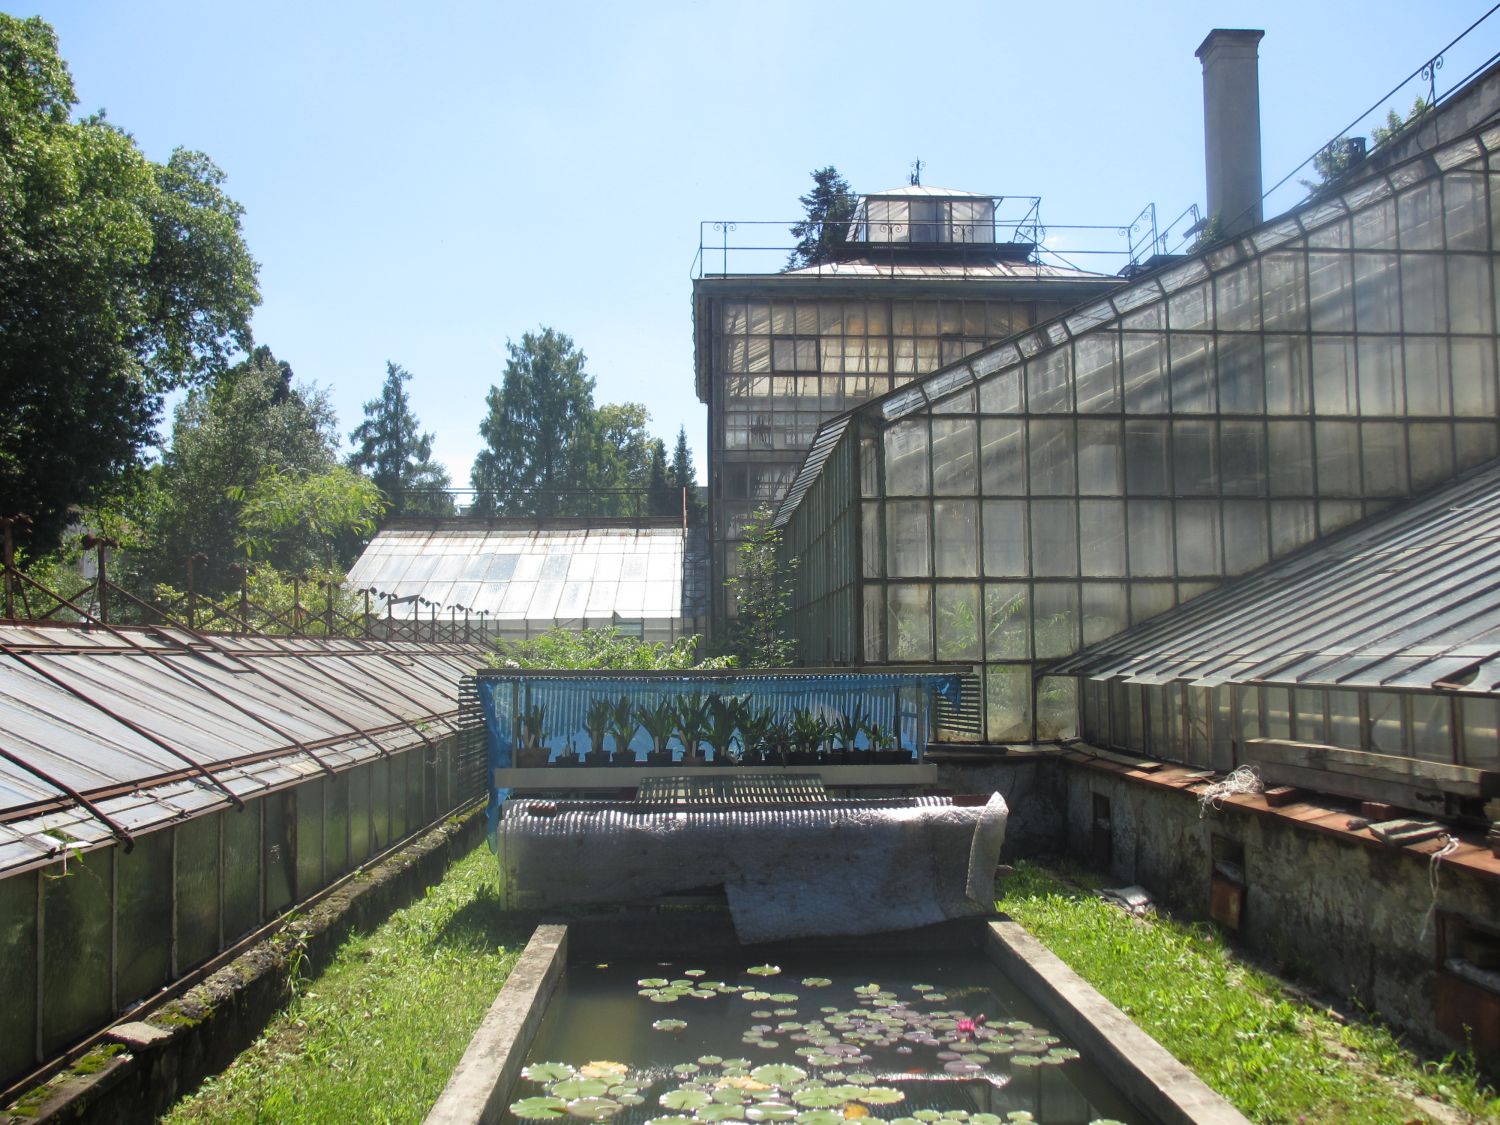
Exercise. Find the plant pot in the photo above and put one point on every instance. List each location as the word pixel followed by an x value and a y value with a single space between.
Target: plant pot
pixel 568 760
pixel 531 757
pixel 624 758
pixel 694 760
pixel 659 758
pixel 895 757
pixel 598 757
pixel 838 757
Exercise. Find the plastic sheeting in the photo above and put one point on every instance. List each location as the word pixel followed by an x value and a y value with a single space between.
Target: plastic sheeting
pixel 831 868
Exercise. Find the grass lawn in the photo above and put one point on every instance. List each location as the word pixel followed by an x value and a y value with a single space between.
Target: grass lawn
pixel 374 1037
pixel 1278 1059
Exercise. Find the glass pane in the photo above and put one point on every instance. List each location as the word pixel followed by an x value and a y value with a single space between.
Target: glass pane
pixel 955 526
pixel 1246 540
pixel 144 917
pixel 1291 458
pixel 1431 728
pixel 197 889
pixel 1241 375
pixel 1380 376
pixel 872 540
pixel 874 624
pixel 909 621
pixel 1054 608
pixel 1282 286
pixel 1003 456
pixel 1481 719
pixel 1237 299
pixel 1198 538
pixel 1288 389
pixel 1099 470
pixel 1377 293
pixel 1049 383
pixel 1147 599
pixel 1384 445
pixel 1146 468
pixel 1423 297
pixel 309 837
pixel 1007 704
pixel 242 871
pixel 1007 621
pixel 907 539
pixel 954 462
pixel 1431 454
pixel 1054 538
pixel 1278 707
pixel 1097 363
pixel 1056 708
pixel 1331 284
pixel 1102 538
pixel 1386 728
pixel 76 946
pixel 1052 458
pixel 1343 719
pixel 906 458
pixel 1194 458
pixel 1150 535
pixel 1333 375
pixel 1427 376
pixel 1338 459
pixel 1144 360
pixel 1470 308
pixel 1192 374
pixel 1311 715
pixel 1005 550
pixel 958 622
pixel 18 936
pixel 1242 458
pixel 1105 610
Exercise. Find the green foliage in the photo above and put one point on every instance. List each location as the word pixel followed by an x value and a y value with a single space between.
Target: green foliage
pixel 762 591
pixel 824 231
pixel 601 648
pixel 692 722
pixel 225 438
pixel 1275 1057
pixel 1340 154
pixel 546 444
pixel 120 280
pixel 596 722
pixel 685 479
pixel 391 447
pixel 376 1035
pixel 658 721
pixel 303 517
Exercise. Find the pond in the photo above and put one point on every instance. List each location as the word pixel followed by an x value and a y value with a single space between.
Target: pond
pixel 942 1039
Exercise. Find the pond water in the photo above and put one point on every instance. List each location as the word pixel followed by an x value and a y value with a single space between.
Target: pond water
pixel 935 1039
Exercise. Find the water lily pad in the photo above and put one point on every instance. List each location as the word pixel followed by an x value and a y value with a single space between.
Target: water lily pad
pixel 539 1109
pixel 927 1115
pixel 1026 1060
pixel 730 1095
pixel 767 1044
pixel 664 997
pixel 784 1011
pixel 976 1057
pixel 820 1117
pixel 923 988
pixel 935 997
pixel 1063 1054
pixel 958 1066
pixel 760 1014
pixel 905 1121
pixel 651 982
pixel 1023 1117
pixel 720 1111
pixel 816 982
pixel 881 1095
pixel 763 970
pixel 694 972
pixel 629 1099
pixel 594 1109
pixel 784 997
pixel 547 1072
pixel 671 1120
pixel 572 1088
pixel 860 1078
pixel 603 1068
pixel 819 1097
pixel 984 1119
pixel 701 993
pixel 684 1099
pixel 756 997
pixel 669 1025
pixel 771 1111
pixel 686 1068
pixel 737 1064
pixel 782 1074
pixel 867 990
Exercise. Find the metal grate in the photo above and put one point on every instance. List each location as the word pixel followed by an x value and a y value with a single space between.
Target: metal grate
pixel 965 722
pixel 732 790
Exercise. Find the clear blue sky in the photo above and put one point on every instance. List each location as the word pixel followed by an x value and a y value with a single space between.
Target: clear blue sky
pixel 422 182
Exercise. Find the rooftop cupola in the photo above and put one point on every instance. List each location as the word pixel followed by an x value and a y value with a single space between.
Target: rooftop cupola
pixel 930 217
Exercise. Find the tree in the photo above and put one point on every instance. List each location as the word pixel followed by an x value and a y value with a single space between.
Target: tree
pixel 1342 153
pixel 225 439
pixel 685 476
pixel 661 497
pixel 824 231
pixel 303 518
pixel 398 456
pixel 762 590
pixel 120 280
pixel 549 451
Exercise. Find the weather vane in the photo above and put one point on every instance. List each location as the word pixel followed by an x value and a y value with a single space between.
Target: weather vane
pixel 916 173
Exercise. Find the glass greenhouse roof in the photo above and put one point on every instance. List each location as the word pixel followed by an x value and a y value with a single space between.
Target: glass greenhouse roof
pixel 108 732
pixel 1409 598
pixel 530 575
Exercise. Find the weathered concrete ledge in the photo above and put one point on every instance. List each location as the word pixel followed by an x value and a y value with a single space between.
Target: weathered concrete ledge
pixel 1144 1070
pixel 144 1066
pixel 477 1089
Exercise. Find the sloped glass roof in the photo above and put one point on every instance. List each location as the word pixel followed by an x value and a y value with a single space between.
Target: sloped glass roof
pixel 1409 598
pixel 531 575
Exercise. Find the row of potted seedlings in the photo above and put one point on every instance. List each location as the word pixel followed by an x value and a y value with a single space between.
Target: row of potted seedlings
pixel 734 731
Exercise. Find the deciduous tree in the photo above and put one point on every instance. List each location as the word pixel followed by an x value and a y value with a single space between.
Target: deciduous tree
pixel 120 280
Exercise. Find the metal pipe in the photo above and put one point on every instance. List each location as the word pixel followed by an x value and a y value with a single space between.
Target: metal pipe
pixel 116 830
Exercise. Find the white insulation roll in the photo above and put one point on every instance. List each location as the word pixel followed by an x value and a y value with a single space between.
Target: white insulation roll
pixel 835 867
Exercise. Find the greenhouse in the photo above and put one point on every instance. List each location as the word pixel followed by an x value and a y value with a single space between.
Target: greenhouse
pixel 166 793
pixel 1224 411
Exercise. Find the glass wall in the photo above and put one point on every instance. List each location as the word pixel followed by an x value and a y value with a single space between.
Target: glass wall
pixel 1195 425
pixel 783 367
pixel 1208 726
pixel 106 928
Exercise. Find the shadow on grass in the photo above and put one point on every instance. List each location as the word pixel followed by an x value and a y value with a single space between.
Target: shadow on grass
pixel 483 923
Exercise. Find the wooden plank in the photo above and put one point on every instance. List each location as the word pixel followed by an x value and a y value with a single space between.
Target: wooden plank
pixel 1402 794
pixel 1461 781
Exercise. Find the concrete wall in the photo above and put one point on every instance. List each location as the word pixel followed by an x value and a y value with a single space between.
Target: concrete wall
pixel 1034 786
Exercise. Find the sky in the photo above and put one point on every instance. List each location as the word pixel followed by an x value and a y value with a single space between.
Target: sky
pixel 423 183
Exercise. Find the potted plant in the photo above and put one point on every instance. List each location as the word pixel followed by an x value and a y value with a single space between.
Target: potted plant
pixel 531 730
pixel 569 756
pixel 755 734
pixel 809 733
pixel 622 728
pixel 659 722
pixel 884 745
pixel 725 716
pixel 596 724
pixel 692 725
pixel 847 730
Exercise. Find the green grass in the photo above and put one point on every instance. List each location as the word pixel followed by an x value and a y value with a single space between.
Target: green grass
pixel 374 1037
pixel 1276 1058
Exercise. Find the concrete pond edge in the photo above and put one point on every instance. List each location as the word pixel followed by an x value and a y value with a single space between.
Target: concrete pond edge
pixel 1144 1071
